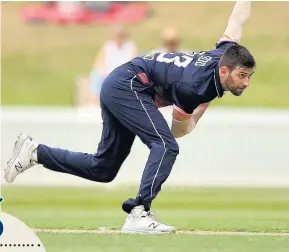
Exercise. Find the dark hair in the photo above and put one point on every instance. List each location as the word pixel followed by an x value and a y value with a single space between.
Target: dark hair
pixel 237 55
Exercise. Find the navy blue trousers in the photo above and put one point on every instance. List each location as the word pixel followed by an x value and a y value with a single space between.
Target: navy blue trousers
pixel 127 111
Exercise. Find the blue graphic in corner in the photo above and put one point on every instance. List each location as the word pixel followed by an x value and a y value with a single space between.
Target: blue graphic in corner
pixel 1 224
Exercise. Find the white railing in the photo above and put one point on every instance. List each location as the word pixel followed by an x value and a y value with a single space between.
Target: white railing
pixel 230 147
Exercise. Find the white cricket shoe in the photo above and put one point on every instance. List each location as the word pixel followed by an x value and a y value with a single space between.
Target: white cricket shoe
pixel 24 156
pixel 141 222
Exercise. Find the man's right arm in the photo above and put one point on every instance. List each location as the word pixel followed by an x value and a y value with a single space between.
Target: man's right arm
pixel 237 21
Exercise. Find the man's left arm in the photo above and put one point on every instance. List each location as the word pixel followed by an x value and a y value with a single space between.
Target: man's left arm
pixel 183 123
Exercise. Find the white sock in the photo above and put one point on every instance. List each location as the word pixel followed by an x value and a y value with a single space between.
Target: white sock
pixel 34 155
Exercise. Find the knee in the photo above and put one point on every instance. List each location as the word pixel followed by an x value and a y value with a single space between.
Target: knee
pixel 106 178
pixel 103 174
pixel 103 170
pixel 173 146
pixel 170 145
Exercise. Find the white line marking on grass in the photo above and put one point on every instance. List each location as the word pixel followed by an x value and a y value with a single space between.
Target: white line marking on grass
pixel 179 232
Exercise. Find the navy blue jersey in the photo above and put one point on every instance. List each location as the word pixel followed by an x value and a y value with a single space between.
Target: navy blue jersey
pixel 184 80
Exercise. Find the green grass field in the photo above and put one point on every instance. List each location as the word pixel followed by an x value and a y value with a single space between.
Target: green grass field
pixel 40 63
pixel 215 209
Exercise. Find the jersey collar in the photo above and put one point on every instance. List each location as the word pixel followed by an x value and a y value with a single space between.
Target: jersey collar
pixel 217 82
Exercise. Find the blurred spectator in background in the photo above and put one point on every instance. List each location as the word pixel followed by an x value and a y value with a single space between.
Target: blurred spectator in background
pixel 170 40
pixel 113 53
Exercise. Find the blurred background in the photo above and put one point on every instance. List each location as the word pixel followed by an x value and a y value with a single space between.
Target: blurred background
pixel 55 56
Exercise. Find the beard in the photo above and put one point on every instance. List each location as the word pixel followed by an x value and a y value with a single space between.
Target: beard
pixel 235 91
pixel 232 87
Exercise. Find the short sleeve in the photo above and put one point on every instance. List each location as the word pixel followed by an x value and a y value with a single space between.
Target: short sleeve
pixel 225 44
pixel 185 99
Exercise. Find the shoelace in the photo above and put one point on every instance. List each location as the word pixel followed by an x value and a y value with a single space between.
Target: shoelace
pixel 152 214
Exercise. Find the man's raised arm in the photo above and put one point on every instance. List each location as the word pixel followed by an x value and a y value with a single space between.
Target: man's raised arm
pixel 237 21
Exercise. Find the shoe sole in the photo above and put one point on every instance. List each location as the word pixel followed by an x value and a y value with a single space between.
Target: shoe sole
pixel 16 151
pixel 126 231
